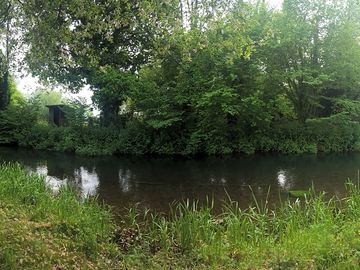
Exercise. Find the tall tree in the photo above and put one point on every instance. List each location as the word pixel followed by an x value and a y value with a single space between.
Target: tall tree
pixel 6 22
pixel 297 56
pixel 80 42
pixel 204 82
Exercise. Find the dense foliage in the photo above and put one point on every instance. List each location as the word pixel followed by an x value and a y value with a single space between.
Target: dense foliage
pixel 190 77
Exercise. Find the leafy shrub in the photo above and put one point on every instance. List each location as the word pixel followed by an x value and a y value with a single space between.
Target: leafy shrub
pixel 16 120
pixel 338 133
pixel 135 139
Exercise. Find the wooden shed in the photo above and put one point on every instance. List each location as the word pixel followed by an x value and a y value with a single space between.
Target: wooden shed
pixel 57 114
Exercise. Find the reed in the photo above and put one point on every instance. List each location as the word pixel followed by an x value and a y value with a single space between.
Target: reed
pixel 308 233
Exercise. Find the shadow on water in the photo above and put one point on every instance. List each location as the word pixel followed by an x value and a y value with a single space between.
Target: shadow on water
pixel 157 182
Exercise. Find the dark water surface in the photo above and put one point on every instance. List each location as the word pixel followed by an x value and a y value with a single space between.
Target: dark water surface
pixel 156 182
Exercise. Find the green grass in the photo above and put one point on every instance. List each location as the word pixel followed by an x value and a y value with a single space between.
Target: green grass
pixel 42 230
pixel 311 233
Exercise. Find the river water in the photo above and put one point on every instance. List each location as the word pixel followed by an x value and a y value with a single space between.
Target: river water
pixel 156 182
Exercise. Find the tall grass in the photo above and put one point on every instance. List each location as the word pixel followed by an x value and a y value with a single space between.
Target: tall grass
pixel 87 223
pixel 312 233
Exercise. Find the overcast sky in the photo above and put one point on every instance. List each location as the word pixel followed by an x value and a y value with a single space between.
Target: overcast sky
pixel 28 84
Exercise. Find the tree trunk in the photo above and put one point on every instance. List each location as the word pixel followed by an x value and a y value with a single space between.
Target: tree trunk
pixel 4 80
pixel 4 91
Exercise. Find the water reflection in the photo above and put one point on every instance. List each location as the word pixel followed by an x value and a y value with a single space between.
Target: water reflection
pixel 41 169
pixel 156 182
pixel 219 181
pixel 54 182
pixel 284 179
pixel 87 181
pixel 124 180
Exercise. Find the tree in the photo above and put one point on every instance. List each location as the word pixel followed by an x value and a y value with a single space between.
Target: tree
pixel 297 59
pixel 6 23
pixel 203 82
pixel 342 53
pixel 111 88
pixel 76 42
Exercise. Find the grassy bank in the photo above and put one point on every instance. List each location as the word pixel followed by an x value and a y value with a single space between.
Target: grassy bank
pixel 312 234
pixel 42 230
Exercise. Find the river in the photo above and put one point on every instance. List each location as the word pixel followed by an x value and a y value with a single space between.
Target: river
pixel 156 182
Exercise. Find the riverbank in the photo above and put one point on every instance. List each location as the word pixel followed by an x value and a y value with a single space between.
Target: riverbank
pixel 42 230
pixel 336 133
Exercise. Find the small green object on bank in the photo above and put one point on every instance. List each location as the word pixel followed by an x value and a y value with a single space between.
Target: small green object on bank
pixel 298 193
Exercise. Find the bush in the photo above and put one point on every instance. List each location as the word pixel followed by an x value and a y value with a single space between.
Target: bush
pixel 15 121
pixel 337 133
pixel 21 125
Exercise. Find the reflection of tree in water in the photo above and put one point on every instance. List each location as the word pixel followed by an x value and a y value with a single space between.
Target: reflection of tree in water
pixel 61 168
pixel 116 175
pixel 125 180
pixel 285 179
pixel 87 180
pixel 41 168
pixel 159 181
